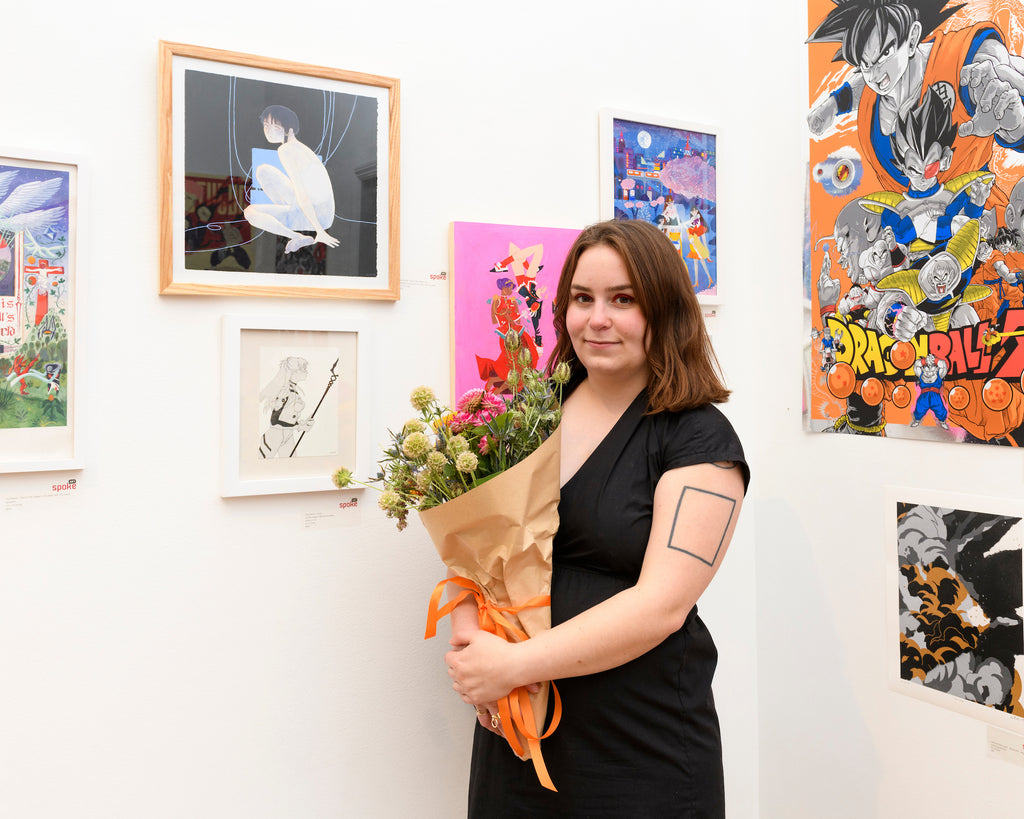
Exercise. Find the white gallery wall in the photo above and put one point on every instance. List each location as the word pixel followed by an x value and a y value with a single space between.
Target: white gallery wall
pixel 165 652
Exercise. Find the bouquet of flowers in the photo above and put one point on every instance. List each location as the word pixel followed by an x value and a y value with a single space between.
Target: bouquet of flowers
pixel 484 478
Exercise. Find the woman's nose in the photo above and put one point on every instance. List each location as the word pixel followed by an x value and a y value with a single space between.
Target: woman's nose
pixel 599 315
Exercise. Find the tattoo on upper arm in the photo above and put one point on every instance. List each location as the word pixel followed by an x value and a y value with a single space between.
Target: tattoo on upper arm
pixel 725 507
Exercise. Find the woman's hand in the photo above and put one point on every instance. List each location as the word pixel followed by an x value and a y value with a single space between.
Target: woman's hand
pixel 487 715
pixel 483 670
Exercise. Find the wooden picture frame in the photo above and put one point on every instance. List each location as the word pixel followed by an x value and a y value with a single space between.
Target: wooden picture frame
pixel 317 216
pixel 41 292
pixel 652 165
pixel 278 372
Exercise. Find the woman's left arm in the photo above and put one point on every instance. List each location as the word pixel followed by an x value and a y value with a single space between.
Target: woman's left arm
pixel 695 513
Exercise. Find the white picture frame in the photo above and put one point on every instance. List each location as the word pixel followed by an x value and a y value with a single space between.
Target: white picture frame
pixel 277 373
pixel 42 319
pixel 647 159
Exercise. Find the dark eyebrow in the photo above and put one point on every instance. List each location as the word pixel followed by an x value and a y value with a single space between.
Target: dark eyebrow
pixel 884 47
pixel 616 289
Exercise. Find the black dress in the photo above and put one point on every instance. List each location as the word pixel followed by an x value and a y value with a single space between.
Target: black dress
pixel 641 739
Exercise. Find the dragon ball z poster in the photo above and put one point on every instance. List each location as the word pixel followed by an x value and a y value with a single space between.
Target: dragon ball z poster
pixel 915 247
pixel 503 281
pixel 957 603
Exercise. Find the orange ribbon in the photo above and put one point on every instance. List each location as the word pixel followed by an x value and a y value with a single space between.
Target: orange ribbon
pixel 515 708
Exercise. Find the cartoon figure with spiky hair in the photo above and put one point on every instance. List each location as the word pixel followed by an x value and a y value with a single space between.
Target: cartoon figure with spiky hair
pixel 1001 270
pixel 937 295
pixel 928 213
pixel 898 53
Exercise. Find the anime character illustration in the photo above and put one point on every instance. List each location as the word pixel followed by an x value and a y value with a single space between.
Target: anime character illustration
pixel 501 276
pixel 284 401
pixel 1002 270
pixel 300 191
pixel 930 372
pixel 925 98
pixel 669 215
pixel 525 264
pixel 665 174
pixel 291 195
pixel 696 228
pixel 513 354
pixel 896 50
pixel 829 345
pixel 928 213
pixel 959 605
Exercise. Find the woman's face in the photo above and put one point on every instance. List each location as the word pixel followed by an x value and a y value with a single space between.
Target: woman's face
pixel 273 130
pixel 605 324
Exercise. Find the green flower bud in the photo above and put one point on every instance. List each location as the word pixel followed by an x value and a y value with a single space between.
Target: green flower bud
pixel 413 425
pixel 416 446
pixel 421 398
pixel 466 462
pixel 436 462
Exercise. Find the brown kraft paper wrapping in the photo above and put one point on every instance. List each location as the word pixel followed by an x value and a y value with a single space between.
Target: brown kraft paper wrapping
pixel 500 535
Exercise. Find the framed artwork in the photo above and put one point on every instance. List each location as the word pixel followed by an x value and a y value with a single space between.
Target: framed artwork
pixel 295 404
pixel 665 172
pixel 955 571
pixel 503 280
pixel 40 293
pixel 278 178
pixel 914 245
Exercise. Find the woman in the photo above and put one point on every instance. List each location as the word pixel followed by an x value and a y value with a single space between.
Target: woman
pixel 505 314
pixel 283 399
pixel 696 227
pixel 652 481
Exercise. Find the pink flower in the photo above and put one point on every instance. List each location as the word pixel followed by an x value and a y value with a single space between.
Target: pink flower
pixel 484 445
pixel 478 406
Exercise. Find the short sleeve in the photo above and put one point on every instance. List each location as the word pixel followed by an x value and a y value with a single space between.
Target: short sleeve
pixel 699 436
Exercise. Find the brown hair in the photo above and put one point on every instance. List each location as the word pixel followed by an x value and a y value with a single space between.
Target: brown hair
pixel 684 371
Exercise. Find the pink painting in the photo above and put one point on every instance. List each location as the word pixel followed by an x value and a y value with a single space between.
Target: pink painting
pixel 503 280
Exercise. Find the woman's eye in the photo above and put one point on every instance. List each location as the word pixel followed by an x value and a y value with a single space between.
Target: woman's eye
pixel 581 298
pixel 623 299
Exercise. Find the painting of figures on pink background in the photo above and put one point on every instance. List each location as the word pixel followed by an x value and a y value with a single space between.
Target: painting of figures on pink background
pixel 503 281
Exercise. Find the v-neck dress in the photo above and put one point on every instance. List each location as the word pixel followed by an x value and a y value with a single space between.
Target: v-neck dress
pixel 641 739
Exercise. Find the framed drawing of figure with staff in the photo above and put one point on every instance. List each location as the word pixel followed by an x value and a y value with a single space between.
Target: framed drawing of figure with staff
pixel 293 406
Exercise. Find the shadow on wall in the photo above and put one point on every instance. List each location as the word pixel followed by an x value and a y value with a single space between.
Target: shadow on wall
pixel 815 745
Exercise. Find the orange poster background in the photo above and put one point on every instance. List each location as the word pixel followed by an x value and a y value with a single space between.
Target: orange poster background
pixel 822 406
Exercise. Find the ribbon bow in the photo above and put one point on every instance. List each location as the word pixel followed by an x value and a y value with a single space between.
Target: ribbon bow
pixel 515 708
